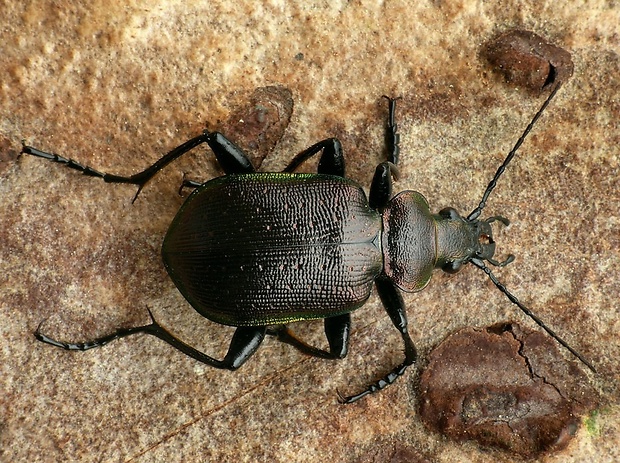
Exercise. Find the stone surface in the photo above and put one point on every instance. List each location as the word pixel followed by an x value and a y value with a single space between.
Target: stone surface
pixel 114 85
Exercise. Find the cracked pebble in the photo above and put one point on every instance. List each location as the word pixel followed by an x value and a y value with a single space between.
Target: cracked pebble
pixel 504 387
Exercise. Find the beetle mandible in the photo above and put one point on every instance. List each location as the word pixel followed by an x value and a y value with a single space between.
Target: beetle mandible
pixel 259 250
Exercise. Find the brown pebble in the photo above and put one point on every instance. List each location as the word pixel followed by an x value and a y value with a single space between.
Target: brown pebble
pixel 528 60
pixel 258 125
pixel 504 387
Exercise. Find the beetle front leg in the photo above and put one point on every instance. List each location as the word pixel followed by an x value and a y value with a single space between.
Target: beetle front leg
pixel 381 187
pixel 392 137
pixel 395 307
pixel 331 162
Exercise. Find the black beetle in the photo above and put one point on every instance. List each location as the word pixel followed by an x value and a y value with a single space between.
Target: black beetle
pixel 258 250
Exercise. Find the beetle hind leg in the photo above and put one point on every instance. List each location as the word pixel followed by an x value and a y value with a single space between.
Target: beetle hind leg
pixel 337 331
pixel 243 345
pixel 140 179
pixel 231 158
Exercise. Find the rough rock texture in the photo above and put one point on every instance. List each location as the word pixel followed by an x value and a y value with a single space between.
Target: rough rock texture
pixel 116 84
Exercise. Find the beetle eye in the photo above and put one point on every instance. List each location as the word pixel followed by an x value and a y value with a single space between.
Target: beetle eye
pixel 451 267
pixel 449 213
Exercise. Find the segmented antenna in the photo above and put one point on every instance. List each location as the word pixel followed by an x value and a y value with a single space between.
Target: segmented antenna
pixel 480 264
pixel 476 212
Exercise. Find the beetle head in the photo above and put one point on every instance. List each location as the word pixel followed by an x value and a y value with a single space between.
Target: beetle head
pixel 472 238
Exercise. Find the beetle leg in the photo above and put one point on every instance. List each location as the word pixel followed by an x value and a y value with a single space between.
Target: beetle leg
pixel 286 336
pixel 381 187
pixel 187 183
pixel 230 157
pixel 395 307
pixel 139 179
pixel 98 342
pixel 337 330
pixel 392 137
pixel 332 159
pixel 331 162
pixel 244 343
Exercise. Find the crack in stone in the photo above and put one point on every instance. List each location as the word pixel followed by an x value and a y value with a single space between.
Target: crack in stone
pixel 530 368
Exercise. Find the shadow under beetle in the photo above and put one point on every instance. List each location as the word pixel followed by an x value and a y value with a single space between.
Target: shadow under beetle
pixel 259 250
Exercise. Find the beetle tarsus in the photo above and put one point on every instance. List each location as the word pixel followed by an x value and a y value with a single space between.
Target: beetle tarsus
pixel 377 386
pixel 98 342
pixel 392 137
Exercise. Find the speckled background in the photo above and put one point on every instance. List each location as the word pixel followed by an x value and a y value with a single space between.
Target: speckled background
pixel 116 84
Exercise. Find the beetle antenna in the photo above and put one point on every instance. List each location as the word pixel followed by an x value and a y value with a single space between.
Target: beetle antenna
pixel 476 212
pixel 480 264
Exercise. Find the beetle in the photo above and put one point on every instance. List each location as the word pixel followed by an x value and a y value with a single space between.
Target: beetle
pixel 257 251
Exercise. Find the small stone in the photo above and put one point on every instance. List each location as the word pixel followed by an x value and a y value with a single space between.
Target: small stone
pixel 504 387
pixel 259 125
pixel 528 60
